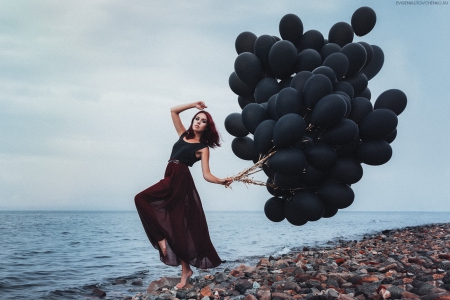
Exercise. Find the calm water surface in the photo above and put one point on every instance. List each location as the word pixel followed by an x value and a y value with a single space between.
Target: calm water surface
pixel 64 255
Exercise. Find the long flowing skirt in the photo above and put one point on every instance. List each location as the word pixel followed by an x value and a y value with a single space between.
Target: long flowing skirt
pixel 171 209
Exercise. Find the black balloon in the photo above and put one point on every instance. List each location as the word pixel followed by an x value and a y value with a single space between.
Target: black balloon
pixel 345 87
pixel 234 125
pixel 288 101
pixel 307 204
pixel 289 161
pixel 378 124
pixel 286 82
pixel 348 149
pixel 282 58
pixel 244 100
pixel 244 148
pixel 344 132
pixel 272 107
pixel 327 71
pixel 338 195
pixel 372 69
pixel 329 111
pixel 264 135
pixel 341 33
pixel 392 99
pixel 307 60
pixel 274 191
pixel 347 170
pixel 315 88
pixel 347 100
pixel 313 177
pixel 288 131
pixel 366 94
pixel 369 52
pixel 287 182
pixel 245 42
pixel 329 49
pixel 262 47
pixel 329 211
pixel 238 87
pixel 361 107
pixel 363 20
pixel 274 209
pixel 357 56
pixel 291 28
pixel 358 81
pixel 374 152
pixel 321 156
pixel 248 68
pixel 252 115
pixel 311 39
pixel 292 214
pixel 390 137
pixel 338 62
pixel 299 80
pixel 266 88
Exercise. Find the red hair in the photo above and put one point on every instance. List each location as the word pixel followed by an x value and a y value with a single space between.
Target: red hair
pixel 210 136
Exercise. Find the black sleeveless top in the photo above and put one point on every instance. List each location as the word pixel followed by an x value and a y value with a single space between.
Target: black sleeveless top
pixel 185 152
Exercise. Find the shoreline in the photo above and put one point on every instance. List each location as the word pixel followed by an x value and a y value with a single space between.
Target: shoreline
pixel 402 263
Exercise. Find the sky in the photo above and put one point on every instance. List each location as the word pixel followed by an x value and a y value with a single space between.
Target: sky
pixel 86 89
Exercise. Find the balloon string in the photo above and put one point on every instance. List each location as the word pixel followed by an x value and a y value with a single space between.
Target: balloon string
pixel 244 175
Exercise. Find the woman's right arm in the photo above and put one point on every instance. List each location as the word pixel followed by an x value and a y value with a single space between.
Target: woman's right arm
pixel 176 110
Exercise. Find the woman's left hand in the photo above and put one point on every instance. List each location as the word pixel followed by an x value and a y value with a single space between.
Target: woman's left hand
pixel 226 181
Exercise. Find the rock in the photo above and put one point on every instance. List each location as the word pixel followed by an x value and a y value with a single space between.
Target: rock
pixel 409 295
pixel 302 277
pixel 331 294
pixel 219 278
pixel 285 285
pixel 137 281
pixel 281 296
pixel 164 281
pixel 256 285
pixel 396 292
pixel 181 294
pixel 367 289
pixel 369 279
pixel 209 277
pixel 264 295
pixel 250 297
pixel 206 291
pixel 242 285
pixel 205 298
pixel 332 283
pixel 99 292
pixel 120 281
pixel 191 295
pixel 388 267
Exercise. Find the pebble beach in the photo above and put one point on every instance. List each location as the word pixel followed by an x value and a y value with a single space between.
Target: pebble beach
pixel 407 263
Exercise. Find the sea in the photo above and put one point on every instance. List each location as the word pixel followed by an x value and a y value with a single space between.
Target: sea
pixel 67 254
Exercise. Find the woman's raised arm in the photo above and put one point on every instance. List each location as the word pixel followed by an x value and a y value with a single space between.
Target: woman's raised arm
pixel 176 110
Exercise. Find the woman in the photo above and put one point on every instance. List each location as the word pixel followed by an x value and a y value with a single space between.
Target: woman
pixel 171 211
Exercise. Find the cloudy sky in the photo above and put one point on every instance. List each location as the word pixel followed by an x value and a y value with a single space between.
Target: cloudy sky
pixel 86 87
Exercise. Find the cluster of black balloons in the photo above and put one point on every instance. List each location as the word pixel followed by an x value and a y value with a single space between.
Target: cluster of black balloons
pixel 307 98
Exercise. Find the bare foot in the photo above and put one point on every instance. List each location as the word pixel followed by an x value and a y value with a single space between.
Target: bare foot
pixel 162 246
pixel 184 279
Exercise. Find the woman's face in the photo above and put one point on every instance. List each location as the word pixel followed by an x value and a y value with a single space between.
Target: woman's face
pixel 200 122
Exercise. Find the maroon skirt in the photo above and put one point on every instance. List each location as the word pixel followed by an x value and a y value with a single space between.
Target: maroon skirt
pixel 171 209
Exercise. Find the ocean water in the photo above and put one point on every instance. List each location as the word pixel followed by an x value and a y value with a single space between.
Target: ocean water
pixel 65 255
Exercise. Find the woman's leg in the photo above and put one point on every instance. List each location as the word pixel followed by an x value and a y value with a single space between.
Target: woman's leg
pixel 162 246
pixel 186 273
